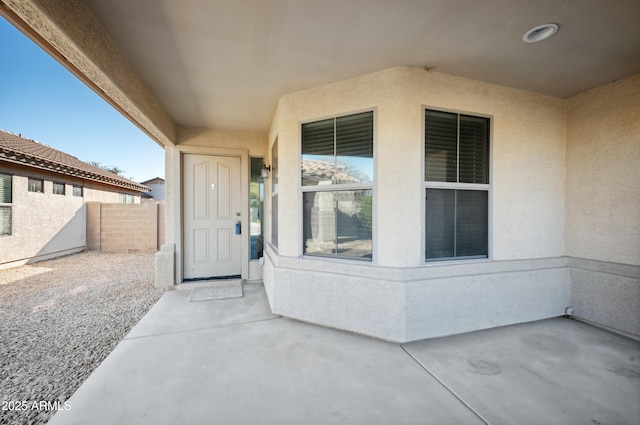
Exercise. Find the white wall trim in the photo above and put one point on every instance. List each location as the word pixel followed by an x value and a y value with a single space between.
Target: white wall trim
pixel 626 270
pixel 440 270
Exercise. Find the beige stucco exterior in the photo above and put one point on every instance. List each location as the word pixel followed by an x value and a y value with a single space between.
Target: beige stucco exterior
pixel 399 296
pixel 528 158
pixel 563 207
pixel 602 229
pixel 603 173
pixel 44 224
pixel 538 216
pixel 541 217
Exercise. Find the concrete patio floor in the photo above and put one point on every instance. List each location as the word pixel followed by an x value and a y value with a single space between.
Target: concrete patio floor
pixel 234 362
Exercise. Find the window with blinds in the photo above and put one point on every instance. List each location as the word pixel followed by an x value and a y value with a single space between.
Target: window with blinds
pixel 6 211
pixel 337 186
pixel 456 148
pixel 338 150
pixel 456 186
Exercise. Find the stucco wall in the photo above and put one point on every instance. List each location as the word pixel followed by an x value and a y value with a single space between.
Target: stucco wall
pixel 253 142
pixel 527 159
pixel 44 224
pixel 397 296
pixel 606 293
pixel 542 150
pixel 47 225
pixel 603 173
pixel 96 195
pixel 157 191
pixel 603 204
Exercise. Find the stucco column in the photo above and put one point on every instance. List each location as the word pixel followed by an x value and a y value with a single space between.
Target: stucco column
pixel 399 184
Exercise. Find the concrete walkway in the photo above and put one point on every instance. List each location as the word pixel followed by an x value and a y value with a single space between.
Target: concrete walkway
pixel 234 362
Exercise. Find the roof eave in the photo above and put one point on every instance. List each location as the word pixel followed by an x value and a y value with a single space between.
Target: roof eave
pixel 31 161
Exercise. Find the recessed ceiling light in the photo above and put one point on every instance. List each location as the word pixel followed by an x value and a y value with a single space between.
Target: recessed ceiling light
pixel 539 33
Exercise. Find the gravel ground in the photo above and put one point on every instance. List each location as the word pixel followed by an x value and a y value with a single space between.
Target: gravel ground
pixel 59 319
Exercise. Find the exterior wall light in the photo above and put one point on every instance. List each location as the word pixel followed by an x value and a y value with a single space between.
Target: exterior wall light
pixel 264 171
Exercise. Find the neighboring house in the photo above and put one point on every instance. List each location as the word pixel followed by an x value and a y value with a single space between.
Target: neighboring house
pixel 156 185
pixel 503 188
pixel 42 196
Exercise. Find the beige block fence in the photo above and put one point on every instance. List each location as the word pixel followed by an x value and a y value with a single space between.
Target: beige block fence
pixel 125 227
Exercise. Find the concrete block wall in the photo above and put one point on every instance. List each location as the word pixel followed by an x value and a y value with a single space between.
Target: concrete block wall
pixel 124 227
pixel 93 225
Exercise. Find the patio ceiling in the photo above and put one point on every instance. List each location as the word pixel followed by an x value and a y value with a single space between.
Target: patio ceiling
pixel 224 64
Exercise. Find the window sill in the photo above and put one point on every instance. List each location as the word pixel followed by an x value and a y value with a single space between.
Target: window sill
pixel 455 261
pixel 336 259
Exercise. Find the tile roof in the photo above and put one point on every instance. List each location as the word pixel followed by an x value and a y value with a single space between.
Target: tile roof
pixel 16 149
pixel 317 170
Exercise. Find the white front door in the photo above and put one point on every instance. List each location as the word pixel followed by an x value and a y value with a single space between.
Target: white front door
pixel 212 215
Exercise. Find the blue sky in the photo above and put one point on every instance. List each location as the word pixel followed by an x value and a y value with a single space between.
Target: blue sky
pixel 43 101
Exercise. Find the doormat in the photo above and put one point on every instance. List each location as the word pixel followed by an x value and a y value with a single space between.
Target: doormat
pixel 199 279
pixel 217 291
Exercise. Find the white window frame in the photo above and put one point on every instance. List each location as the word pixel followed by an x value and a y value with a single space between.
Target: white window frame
pixel 428 184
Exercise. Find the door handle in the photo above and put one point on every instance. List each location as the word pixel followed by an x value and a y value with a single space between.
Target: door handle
pixel 238 227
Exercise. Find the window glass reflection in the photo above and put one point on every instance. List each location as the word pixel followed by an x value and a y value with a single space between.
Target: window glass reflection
pixel 338 223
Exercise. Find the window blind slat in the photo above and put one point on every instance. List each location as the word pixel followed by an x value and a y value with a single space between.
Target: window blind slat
pixel 354 135
pixel 440 226
pixel 317 138
pixel 474 150
pixel 5 220
pixel 338 150
pixel 440 146
pixel 5 189
pixel 471 223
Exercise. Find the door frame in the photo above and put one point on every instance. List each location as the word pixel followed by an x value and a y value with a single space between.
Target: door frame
pixel 174 167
